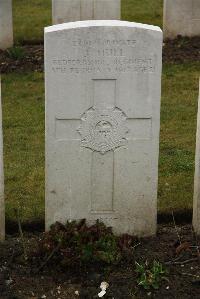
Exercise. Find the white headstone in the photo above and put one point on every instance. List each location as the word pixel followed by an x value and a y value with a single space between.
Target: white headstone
pixel 6 26
pixel 102 123
pixel 2 207
pixel 196 203
pixel 181 17
pixel 76 10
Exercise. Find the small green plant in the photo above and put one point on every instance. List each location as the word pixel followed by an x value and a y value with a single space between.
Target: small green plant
pixel 150 275
pixel 78 243
pixel 16 53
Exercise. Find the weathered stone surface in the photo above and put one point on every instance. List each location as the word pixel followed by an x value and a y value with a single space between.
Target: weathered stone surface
pixel 6 26
pixel 2 208
pixel 181 17
pixel 196 203
pixel 102 123
pixel 76 10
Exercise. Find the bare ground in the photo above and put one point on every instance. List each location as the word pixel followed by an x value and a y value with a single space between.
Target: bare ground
pixel 20 280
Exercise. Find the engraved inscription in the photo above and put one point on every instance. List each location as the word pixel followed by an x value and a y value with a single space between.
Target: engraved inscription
pixel 103 130
pixel 100 56
pixel 118 65
pixel 103 42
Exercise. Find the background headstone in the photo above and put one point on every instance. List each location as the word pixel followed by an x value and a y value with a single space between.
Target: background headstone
pixel 2 208
pixel 76 10
pixel 181 17
pixel 102 123
pixel 6 24
pixel 196 203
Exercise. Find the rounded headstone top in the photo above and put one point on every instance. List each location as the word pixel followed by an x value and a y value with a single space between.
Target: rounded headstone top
pixel 100 23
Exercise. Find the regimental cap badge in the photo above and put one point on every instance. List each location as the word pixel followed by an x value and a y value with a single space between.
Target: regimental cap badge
pixel 103 130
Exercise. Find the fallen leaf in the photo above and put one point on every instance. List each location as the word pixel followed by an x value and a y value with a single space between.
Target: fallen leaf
pixel 183 247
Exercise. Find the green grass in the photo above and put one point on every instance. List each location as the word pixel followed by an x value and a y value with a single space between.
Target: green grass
pixel 31 16
pixel 143 11
pixel 178 130
pixel 29 19
pixel 23 125
pixel 23 120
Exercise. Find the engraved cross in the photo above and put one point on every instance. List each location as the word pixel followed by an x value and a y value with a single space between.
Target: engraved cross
pixel 103 129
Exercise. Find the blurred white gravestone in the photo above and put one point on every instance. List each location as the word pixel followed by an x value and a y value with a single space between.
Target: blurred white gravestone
pixel 181 17
pixel 6 24
pixel 2 207
pixel 103 85
pixel 196 203
pixel 77 10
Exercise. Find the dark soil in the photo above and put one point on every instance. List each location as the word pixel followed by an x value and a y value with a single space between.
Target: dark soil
pixel 19 279
pixel 181 49
pixel 31 57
